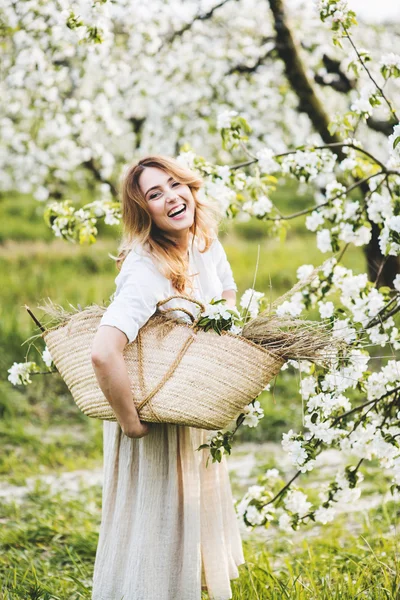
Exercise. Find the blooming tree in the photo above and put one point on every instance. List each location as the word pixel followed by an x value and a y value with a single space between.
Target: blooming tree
pixel 67 124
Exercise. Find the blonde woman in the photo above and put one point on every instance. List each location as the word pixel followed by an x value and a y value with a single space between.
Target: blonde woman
pixel 168 527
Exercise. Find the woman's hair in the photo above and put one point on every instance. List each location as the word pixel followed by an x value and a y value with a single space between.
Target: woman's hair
pixel 138 226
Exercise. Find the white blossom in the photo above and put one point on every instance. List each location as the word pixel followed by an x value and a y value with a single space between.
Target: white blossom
pixel 324 242
pixel 47 357
pixel 292 307
pixel 326 309
pixel 285 523
pixel 314 221
pixel 297 502
pixel 304 271
pixel 325 515
pixel 19 373
pixel 250 300
pixel 261 207
pixel 266 160
pixel 390 60
pixel 224 119
pixel 254 413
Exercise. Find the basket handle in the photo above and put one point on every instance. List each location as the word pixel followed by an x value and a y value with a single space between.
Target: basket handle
pixel 200 304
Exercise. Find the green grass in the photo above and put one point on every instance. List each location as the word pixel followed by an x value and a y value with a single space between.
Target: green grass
pixel 48 544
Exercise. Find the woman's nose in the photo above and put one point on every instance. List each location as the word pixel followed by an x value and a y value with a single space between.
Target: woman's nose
pixel 171 196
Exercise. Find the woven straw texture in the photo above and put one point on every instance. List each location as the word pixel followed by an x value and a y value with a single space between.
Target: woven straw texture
pixel 178 374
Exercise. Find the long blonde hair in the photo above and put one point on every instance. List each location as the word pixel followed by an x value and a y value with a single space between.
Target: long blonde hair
pixel 138 226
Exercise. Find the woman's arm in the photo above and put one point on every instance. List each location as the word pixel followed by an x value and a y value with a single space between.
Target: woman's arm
pixel 112 375
pixel 139 287
pixel 230 296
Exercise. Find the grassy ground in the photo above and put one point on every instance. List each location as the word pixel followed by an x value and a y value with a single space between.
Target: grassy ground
pixel 48 540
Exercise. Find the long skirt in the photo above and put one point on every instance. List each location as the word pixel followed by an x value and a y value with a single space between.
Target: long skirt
pixel 168 525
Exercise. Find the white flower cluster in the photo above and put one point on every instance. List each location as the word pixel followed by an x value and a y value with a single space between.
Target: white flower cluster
pixel 220 193
pixel 394 151
pixel 254 413
pixel 379 207
pixel 250 301
pixel 363 104
pixel 261 207
pixel 370 441
pixel 324 241
pixel 304 271
pixel 380 210
pixel 325 399
pixel 326 309
pixel 19 373
pixel 266 160
pixel 306 165
pixel 390 60
pixel 378 384
pixel 345 217
pixel 253 506
pixel 292 444
pixel 343 496
pixel 224 119
pixel 390 65
pixel 336 11
pixel 187 159
pixel 292 307
pixel 80 224
pixel 364 302
pixel 349 163
pixel 216 311
pixel 296 502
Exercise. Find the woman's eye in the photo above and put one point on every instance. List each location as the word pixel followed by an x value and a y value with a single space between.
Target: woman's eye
pixel 156 193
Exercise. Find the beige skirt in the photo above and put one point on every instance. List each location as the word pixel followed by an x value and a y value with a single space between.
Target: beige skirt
pixel 168 523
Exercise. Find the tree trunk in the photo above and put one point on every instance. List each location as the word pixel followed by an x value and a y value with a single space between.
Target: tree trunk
pixel 382 269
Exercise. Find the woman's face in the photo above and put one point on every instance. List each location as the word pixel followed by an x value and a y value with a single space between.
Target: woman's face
pixel 165 197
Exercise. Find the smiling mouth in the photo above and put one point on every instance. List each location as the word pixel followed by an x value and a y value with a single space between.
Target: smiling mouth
pixel 177 212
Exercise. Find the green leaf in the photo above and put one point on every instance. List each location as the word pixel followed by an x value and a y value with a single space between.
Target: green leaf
pixel 396 142
pixel 203 446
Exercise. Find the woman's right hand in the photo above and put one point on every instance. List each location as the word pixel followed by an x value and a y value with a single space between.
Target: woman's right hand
pixel 112 376
pixel 137 430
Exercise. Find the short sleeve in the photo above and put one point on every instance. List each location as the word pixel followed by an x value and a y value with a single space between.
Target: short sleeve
pixel 223 267
pixel 139 288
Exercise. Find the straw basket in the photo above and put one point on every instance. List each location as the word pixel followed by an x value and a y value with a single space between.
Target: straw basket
pixel 178 373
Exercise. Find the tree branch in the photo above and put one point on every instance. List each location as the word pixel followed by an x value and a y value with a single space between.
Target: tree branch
pixel 199 17
pixel 247 69
pixel 90 165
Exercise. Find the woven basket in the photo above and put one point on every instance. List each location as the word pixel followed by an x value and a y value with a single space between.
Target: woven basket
pixel 179 374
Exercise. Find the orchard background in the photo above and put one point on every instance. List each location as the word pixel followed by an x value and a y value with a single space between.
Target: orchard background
pixel 290 111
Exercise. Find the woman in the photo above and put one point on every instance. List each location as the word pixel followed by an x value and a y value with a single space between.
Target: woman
pixel 169 528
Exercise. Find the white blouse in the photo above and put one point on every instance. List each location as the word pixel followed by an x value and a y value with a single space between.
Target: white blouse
pixel 140 285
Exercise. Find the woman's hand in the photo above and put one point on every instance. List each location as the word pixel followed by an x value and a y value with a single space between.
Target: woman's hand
pixel 112 375
pixel 230 297
pixel 135 430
